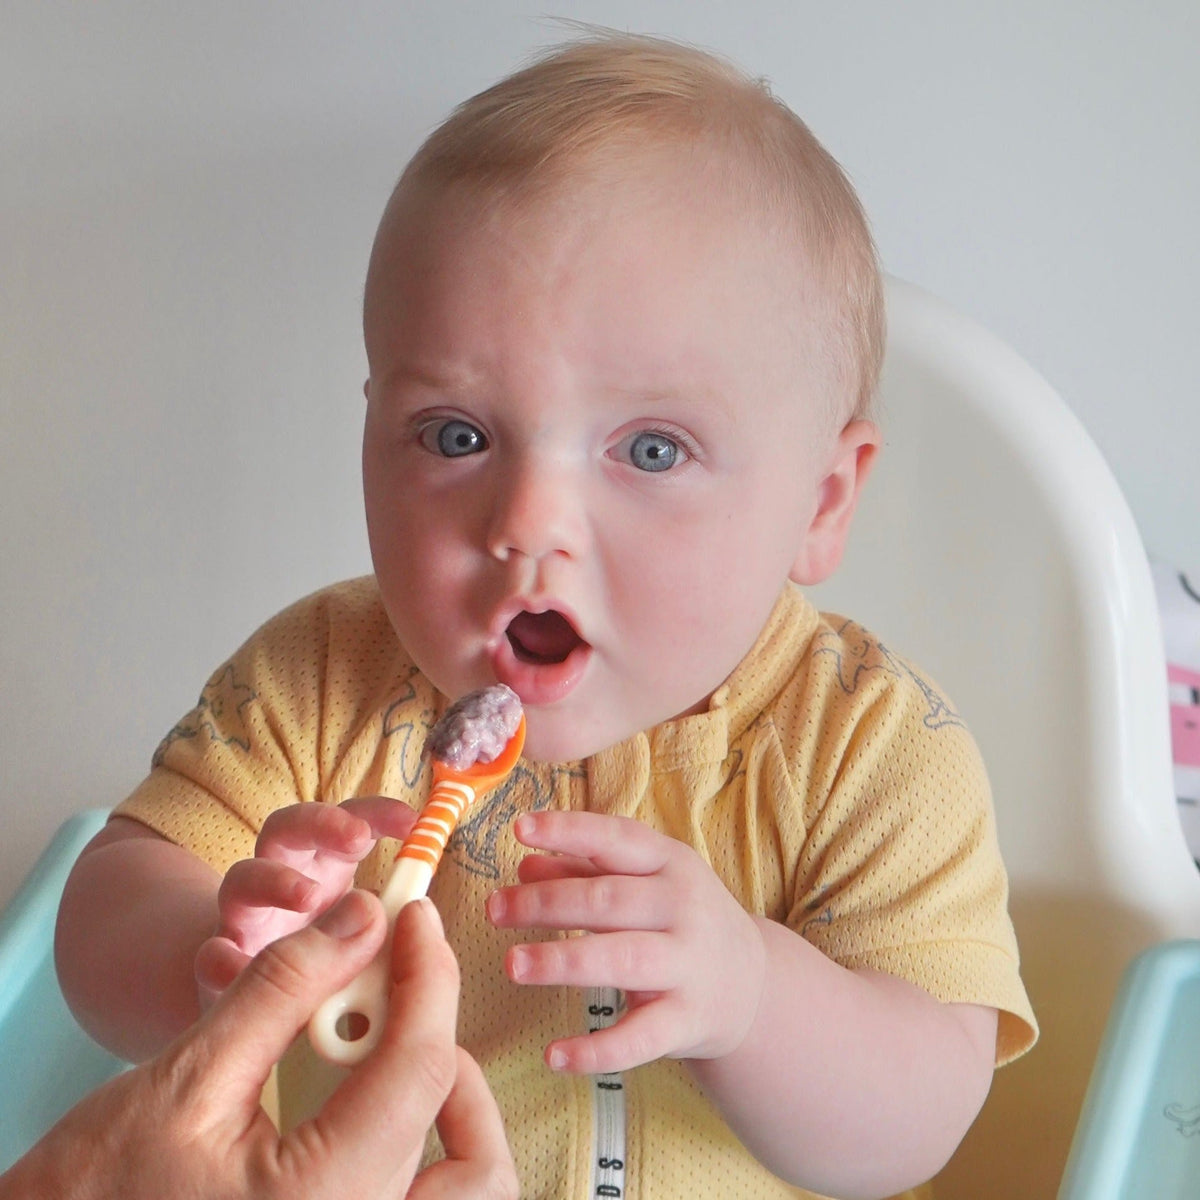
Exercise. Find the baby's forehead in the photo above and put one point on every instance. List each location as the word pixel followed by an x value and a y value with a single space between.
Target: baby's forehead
pixel 705 189
pixel 445 235
pixel 701 199
pixel 611 205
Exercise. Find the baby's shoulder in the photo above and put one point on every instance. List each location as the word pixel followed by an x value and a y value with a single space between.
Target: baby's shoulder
pixel 338 637
pixel 854 671
pixel 847 692
pixel 859 720
pixel 337 615
pixel 354 603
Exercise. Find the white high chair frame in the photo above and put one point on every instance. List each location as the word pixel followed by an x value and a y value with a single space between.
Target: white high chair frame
pixel 994 548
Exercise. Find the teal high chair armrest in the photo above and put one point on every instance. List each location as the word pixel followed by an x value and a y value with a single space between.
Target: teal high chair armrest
pixel 1139 1130
pixel 47 1063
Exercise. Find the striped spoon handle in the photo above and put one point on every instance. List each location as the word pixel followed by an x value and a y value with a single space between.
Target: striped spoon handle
pixel 347 1026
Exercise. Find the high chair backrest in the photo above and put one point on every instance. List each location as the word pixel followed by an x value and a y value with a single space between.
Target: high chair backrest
pixel 994 548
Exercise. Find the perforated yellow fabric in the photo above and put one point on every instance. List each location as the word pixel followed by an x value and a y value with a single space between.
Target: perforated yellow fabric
pixel 829 785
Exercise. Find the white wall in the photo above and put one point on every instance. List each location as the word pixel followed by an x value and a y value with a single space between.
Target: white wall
pixel 188 193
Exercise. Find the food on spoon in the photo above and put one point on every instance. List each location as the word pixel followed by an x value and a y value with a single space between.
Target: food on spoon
pixel 476 728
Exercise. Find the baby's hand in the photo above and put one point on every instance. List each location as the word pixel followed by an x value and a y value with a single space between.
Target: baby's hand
pixel 304 860
pixel 665 929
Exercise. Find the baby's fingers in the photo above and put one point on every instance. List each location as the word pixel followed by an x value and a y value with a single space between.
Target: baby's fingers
pixel 642 1035
pixel 218 963
pixel 260 900
pixel 264 883
pixel 294 834
pixel 634 961
pixel 616 845
pixel 600 903
pixel 386 816
pixel 537 868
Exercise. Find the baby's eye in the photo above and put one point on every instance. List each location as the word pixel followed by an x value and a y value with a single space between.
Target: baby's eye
pixel 650 450
pixel 453 438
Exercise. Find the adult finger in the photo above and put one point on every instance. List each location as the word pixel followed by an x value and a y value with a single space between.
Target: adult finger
pixel 380 1115
pixel 478 1160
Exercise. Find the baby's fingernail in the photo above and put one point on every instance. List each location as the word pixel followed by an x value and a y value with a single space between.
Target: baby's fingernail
pixel 214 981
pixel 348 917
pixel 556 1059
pixel 495 906
pixel 518 963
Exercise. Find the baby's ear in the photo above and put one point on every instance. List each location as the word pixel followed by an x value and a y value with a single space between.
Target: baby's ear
pixel 846 471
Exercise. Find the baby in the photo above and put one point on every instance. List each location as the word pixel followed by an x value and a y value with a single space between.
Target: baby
pixel 623 320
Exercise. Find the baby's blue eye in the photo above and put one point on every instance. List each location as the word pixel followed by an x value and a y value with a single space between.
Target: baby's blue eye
pixel 650 451
pixel 453 439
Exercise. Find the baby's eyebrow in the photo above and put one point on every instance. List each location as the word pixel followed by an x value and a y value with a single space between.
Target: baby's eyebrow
pixel 434 377
pixel 675 396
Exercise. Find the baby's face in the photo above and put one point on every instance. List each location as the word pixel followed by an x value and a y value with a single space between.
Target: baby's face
pixel 591 452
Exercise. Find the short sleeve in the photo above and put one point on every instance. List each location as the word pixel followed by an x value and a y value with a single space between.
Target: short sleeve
pixel 301 712
pixel 241 751
pixel 901 869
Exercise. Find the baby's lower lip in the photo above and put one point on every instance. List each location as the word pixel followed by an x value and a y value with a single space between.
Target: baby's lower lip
pixel 540 682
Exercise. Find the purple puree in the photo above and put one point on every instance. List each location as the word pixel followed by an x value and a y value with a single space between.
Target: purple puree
pixel 476 728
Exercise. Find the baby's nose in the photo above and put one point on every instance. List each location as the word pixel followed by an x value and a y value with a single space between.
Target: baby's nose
pixel 538 510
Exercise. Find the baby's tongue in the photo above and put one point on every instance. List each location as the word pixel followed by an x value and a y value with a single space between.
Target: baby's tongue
pixel 542 637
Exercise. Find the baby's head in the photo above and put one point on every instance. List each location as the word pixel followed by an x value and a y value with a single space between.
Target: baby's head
pixel 623 320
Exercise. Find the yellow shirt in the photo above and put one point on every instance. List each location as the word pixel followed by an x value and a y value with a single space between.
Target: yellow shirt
pixel 829 785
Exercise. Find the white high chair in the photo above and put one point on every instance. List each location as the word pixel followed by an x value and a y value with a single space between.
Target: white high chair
pixel 994 548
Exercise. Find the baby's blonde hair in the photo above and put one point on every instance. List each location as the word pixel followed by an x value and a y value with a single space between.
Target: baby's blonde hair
pixel 608 92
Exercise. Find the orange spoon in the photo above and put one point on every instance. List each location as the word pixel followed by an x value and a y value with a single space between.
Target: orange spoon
pixel 347 1026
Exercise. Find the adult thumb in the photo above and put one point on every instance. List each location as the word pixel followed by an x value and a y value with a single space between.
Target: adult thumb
pixel 257 1017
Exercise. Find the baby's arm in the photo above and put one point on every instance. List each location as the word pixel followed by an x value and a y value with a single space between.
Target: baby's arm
pixel 135 910
pixel 142 918
pixel 856 1082
pixel 846 1082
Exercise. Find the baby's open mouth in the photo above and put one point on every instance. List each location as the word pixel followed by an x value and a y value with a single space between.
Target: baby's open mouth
pixel 539 638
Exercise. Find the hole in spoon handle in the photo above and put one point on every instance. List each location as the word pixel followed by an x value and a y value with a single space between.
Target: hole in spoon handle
pixel 363 1001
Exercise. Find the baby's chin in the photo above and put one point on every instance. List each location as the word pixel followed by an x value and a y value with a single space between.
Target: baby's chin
pixel 557 737
pixel 549 738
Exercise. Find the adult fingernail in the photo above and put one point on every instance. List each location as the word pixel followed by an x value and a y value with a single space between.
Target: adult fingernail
pixel 347 918
pixel 429 912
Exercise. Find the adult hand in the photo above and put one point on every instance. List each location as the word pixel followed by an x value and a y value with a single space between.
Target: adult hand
pixel 188 1124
